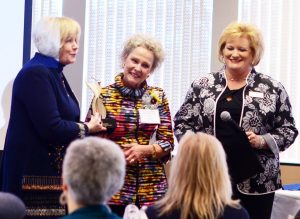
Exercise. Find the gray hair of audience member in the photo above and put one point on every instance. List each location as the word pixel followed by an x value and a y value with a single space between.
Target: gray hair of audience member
pixel 94 170
pixel 11 207
pixel 50 34
pixel 147 42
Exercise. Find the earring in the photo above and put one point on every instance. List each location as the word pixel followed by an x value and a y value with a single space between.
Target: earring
pixel 63 198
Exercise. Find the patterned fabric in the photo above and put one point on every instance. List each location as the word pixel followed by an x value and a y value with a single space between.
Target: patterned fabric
pixel 269 116
pixel 145 180
pixel 41 195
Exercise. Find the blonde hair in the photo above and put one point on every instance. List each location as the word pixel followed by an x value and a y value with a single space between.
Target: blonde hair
pixel 147 42
pixel 199 184
pixel 50 34
pixel 251 32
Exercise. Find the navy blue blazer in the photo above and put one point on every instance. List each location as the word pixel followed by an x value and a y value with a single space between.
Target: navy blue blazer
pixel 43 121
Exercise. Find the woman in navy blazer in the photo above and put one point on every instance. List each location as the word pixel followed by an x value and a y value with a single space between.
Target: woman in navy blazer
pixel 44 119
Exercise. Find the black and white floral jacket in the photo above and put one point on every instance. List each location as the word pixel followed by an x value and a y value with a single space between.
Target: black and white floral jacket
pixel 266 111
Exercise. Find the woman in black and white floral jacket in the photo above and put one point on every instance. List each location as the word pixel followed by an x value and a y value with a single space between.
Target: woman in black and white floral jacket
pixel 257 103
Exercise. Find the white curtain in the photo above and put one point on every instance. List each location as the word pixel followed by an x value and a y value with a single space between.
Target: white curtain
pixel 279 22
pixel 182 26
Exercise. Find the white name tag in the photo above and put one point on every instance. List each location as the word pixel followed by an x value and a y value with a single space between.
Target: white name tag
pixel 149 116
pixel 256 94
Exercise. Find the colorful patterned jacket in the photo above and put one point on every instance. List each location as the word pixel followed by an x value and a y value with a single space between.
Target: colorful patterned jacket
pixel 269 115
pixel 145 179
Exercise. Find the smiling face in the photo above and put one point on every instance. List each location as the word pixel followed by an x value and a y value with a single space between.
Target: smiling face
pixel 68 52
pixel 137 67
pixel 238 55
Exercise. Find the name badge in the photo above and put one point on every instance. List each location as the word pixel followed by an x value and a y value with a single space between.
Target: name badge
pixel 149 116
pixel 256 94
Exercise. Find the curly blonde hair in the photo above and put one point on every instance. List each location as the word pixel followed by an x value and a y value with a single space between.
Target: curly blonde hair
pixel 251 32
pixel 147 42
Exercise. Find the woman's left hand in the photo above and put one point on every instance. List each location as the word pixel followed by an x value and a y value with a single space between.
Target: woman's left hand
pixel 134 152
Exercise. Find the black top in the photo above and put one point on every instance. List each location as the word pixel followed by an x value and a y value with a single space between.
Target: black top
pixel 231 101
pixel 241 159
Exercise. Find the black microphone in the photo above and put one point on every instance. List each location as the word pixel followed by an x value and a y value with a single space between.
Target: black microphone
pixel 226 117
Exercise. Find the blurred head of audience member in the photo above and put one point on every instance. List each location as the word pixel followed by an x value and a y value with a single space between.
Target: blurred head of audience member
pixel 93 171
pixel 11 207
pixel 199 184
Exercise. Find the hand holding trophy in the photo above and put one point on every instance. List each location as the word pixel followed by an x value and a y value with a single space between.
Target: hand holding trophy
pixel 98 106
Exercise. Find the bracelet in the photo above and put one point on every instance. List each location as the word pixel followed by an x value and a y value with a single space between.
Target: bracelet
pixel 153 152
pixel 86 129
pixel 261 143
pixel 82 132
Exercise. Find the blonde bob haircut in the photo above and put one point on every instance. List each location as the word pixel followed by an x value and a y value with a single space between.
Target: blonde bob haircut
pixel 147 42
pixel 251 32
pixel 51 33
pixel 199 184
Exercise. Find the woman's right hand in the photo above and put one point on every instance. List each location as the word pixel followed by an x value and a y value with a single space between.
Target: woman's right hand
pixel 95 124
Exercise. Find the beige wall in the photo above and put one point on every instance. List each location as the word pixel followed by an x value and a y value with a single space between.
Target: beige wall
pixel 290 174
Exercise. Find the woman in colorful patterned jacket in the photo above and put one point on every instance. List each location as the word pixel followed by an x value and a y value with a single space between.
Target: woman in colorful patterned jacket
pixel 257 103
pixel 141 113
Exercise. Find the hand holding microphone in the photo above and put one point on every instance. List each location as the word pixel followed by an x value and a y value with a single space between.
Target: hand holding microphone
pixel 256 141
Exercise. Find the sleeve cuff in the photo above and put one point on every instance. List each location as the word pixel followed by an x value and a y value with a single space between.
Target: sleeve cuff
pixel 83 130
pixel 271 143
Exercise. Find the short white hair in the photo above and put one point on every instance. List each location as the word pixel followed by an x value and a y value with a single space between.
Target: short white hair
pixel 49 34
pixel 94 170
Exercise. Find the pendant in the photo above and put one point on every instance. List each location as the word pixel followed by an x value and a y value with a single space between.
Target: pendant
pixel 229 98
